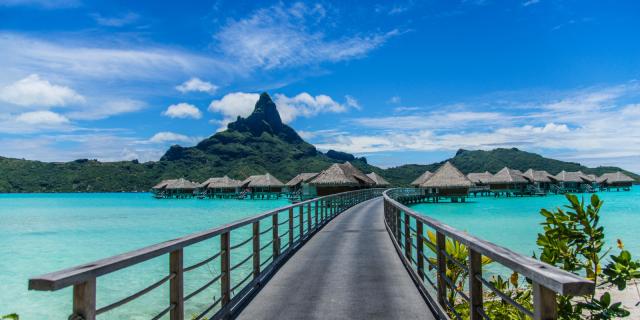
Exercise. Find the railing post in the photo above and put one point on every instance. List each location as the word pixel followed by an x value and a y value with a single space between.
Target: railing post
pixel 397 217
pixel 316 204
pixel 442 267
pixel 545 306
pixel 225 256
pixel 176 285
pixel 475 286
pixel 407 236
pixel 84 299
pixel 309 217
pixel 276 237
pixel 290 227
pixel 420 248
pixel 301 216
pixel 256 249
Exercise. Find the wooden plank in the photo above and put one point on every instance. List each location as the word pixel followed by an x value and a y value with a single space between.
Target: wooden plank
pixel 256 249
pixel 225 261
pixel 442 267
pixel 545 306
pixel 84 299
pixel 176 285
pixel 475 286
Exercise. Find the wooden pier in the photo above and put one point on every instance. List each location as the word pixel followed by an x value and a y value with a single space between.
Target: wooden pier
pixel 358 255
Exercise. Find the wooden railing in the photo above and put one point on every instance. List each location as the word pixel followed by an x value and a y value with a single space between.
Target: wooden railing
pixel 408 230
pixel 300 221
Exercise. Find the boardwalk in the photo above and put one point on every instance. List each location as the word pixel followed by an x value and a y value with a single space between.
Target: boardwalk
pixel 349 270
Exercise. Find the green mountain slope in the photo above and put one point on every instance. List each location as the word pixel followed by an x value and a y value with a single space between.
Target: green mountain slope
pixel 260 143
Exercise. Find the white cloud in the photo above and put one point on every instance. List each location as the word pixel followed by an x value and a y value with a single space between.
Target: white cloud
pixel 195 84
pixel 529 2
pixel 242 104
pixel 46 118
pixel 352 102
pixel 600 126
pixel 87 59
pixel 394 100
pixel 434 120
pixel 306 105
pixel 107 109
pixel 233 105
pixel 166 136
pixel 183 110
pixel 116 21
pixel 34 91
pixel 281 36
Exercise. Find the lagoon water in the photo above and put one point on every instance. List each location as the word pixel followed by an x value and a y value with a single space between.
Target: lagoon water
pixel 515 222
pixel 41 233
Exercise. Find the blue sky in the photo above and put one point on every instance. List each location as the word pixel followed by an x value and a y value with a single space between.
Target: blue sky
pixel 399 82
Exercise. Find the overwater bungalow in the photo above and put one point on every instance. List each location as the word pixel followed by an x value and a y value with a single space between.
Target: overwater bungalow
pixel 481 181
pixel 480 178
pixel 508 181
pixel 220 187
pixel 299 188
pixel 539 181
pixel 572 181
pixel 264 186
pixel 449 182
pixel 340 177
pixel 174 188
pixel 421 179
pixel 616 180
pixel 378 179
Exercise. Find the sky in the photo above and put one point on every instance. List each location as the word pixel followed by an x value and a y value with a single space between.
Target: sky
pixel 396 81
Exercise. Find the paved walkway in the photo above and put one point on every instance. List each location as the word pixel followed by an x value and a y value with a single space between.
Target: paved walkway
pixel 349 270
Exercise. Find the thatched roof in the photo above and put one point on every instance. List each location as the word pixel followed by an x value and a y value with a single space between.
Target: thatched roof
pixel 182 184
pixel 507 175
pixel 224 182
pixel 303 177
pixel 447 176
pixel 344 174
pixel 575 176
pixel 422 178
pixel 614 178
pixel 163 184
pixel 480 177
pixel 537 175
pixel 379 180
pixel 262 181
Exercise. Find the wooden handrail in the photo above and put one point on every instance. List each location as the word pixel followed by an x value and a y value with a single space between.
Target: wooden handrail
pixel 83 277
pixel 547 280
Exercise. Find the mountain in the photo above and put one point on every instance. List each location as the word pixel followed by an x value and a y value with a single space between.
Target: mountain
pixel 254 145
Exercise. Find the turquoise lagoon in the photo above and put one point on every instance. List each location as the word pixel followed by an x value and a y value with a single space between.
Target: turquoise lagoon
pixel 515 222
pixel 41 233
